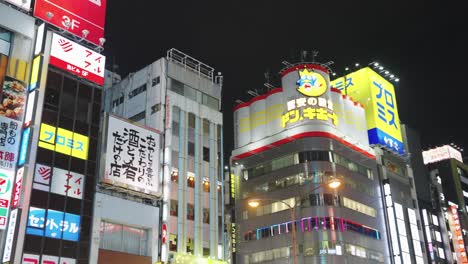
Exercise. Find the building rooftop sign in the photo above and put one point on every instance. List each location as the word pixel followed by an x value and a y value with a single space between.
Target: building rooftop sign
pixel 441 153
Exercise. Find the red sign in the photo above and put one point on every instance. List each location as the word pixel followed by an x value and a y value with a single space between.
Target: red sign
pixel 17 189
pixel 459 245
pixel 83 18
pixel 164 233
pixel 77 59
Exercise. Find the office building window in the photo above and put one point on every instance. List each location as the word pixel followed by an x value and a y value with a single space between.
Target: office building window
pixel 155 81
pixel 138 116
pixel 123 238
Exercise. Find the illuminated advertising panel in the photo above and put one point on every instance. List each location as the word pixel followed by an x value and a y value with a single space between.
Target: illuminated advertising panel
pixel 10 137
pixel 76 59
pixel 132 157
pixel 24 146
pixel 59 225
pixel 457 240
pixel 59 181
pixel 441 153
pixel 17 189
pixel 13 98
pixel 83 18
pixel 6 187
pixel 63 141
pixel 379 100
pixel 23 4
pixel 46 259
pixel 10 236
pixel 36 67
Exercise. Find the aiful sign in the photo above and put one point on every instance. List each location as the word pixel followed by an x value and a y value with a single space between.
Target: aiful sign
pixel 313 107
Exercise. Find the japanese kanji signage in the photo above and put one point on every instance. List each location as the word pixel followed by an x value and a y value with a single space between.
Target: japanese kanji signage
pixel 75 16
pixel 58 181
pixel 17 188
pixel 379 100
pixel 441 153
pixel 10 236
pixel 457 238
pixel 59 225
pixel 10 136
pixel 79 60
pixel 46 259
pixel 63 141
pixel 6 187
pixel 132 157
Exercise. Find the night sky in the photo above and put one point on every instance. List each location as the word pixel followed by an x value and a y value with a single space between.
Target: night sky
pixel 420 41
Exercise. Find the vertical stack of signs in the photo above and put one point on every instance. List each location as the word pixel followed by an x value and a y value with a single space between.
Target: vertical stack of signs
pixel 17 103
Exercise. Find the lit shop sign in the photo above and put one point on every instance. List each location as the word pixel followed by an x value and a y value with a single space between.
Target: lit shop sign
pixel 10 236
pixel 132 157
pixel 59 181
pixel 164 233
pixel 63 141
pixel 378 97
pixel 59 225
pixel 310 84
pixel 233 237
pixel 10 136
pixel 17 188
pixel 46 259
pixel 76 59
pixel 23 4
pixel 441 153
pixel 6 186
pixel 83 18
pixel 458 243
pixel 24 146
pixel 35 73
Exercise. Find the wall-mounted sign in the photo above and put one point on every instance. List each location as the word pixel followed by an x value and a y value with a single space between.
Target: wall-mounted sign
pixel 10 236
pixel 76 59
pixel 58 181
pixel 63 141
pixel 6 187
pixel 441 153
pixel 458 243
pixel 17 189
pixel 59 225
pixel 46 259
pixel 132 157
pixel 24 146
pixel 83 18
pixel 13 98
pixel 10 136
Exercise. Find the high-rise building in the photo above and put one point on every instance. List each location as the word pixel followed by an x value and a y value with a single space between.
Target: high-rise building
pixel 448 222
pixel 290 144
pixel 179 98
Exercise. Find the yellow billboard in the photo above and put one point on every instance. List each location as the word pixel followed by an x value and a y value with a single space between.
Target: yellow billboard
pixel 378 97
pixel 63 141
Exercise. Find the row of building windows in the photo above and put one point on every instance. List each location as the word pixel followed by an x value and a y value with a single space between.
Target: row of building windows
pixel 322 248
pixel 190 212
pixel 312 223
pixel 191 181
pixel 193 94
pixel 304 157
pixel 116 102
pixel 123 238
pixel 314 199
pixel 137 91
pixel 314 177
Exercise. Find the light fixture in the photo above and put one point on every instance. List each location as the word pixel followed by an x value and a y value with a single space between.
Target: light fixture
pixel 380 68
pixel 376 64
pixel 334 182
pixel 391 76
pixel 334 73
pixel 254 203
pixel 357 64
pixel 386 72
pixel 397 80
pixel 346 68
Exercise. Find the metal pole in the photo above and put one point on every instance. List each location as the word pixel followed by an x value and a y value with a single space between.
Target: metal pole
pixel 293 225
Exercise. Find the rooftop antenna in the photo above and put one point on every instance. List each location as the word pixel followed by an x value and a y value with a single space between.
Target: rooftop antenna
pixel 303 55
pixel 314 54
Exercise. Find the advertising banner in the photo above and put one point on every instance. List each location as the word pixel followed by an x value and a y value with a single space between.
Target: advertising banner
pixel 59 225
pixel 10 236
pixel 441 153
pixel 456 230
pixel 83 18
pixel 17 188
pixel 10 137
pixel 58 181
pixel 46 259
pixel 63 141
pixel 6 187
pixel 76 59
pixel 132 157
pixel 379 100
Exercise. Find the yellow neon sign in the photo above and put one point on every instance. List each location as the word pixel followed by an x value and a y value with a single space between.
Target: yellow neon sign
pixel 63 141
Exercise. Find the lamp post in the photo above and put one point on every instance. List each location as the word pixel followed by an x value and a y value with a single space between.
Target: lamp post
pixel 332 183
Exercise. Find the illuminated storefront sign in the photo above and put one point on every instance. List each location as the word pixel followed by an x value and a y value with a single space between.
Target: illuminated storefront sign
pixel 17 188
pixel 186 258
pixel 10 136
pixel 63 141
pixel 441 153
pixel 59 181
pixel 76 59
pixel 311 83
pixel 83 18
pixel 24 146
pixel 35 73
pixel 10 236
pixel 46 259
pixel 6 186
pixel 233 238
pixel 457 238
pixel 59 225
pixel 378 97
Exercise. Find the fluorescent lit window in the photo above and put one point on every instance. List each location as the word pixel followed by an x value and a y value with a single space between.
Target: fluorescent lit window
pixel 435 220
pixel 438 236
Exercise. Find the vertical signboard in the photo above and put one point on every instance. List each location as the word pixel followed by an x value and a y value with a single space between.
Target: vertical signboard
pixel 59 181
pixel 6 186
pixel 83 18
pixel 17 189
pixel 10 236
pixel 76 59
pixel 457 238
pixel 132 157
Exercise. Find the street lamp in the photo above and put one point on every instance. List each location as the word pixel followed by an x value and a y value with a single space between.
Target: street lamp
pixel 332 183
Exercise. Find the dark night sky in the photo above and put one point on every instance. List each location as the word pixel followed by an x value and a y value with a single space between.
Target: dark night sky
pixel 421 41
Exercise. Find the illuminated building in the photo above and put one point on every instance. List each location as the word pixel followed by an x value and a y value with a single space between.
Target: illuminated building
pixel 448 220
pixel 179 96
pixel 288 143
